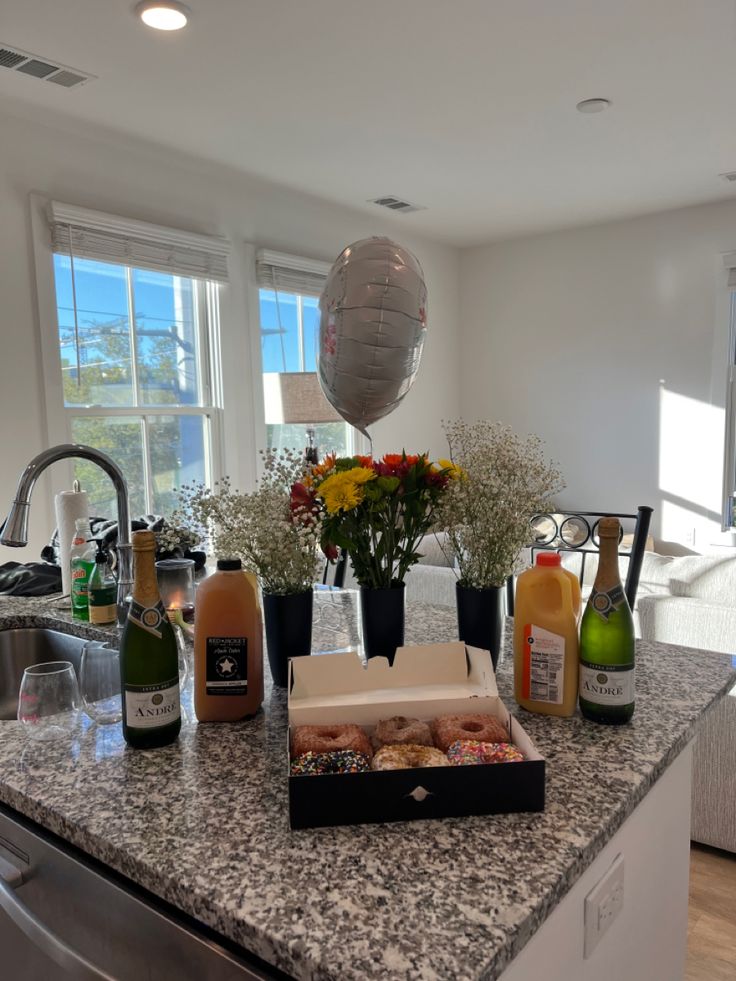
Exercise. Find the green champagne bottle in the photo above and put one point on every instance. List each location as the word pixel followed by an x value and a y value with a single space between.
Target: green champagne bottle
pixel 607 639
pixel 149 661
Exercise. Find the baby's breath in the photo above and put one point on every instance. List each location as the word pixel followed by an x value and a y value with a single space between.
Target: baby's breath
pixel 486 515
pixel 259 527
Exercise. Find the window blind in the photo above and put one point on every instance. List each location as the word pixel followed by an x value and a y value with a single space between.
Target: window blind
pixel 95 235
pixel 290 273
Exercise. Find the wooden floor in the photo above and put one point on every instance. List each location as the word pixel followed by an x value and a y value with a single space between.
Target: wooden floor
pixel 711 935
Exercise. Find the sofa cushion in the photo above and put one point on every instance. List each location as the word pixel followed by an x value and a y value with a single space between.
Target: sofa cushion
pixel 688 622
pixel 655 576
pixel 436 550
pixel 711 578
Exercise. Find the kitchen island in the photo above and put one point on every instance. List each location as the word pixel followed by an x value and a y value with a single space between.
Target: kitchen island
pixel 203 825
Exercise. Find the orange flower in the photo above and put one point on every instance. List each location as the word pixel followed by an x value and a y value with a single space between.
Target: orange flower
pixel 320 469
pixel 396 459
pixel 364 461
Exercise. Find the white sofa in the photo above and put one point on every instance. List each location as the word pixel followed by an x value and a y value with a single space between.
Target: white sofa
pixel 686 600
pixel 691 600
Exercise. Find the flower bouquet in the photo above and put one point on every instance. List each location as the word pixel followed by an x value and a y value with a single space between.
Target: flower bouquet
pixel 379 511
pixel 506 480
pixel 277 542
pixel 260 527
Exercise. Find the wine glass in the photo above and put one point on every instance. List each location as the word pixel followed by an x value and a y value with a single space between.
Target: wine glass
pixel 99 679
pixel 49 700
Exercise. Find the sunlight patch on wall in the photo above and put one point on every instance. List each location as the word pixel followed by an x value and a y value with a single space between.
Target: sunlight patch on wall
pixel 691 436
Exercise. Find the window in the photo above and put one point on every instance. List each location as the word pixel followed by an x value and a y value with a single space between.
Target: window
pixel 138 366
pixel 295 407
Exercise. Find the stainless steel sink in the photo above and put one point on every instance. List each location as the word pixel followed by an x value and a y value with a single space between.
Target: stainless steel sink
pixel 24 646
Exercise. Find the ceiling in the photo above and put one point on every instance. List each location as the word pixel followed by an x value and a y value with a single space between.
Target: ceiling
pixel 466 107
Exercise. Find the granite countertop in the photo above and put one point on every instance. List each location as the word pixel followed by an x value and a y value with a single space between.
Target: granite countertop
pixel 204 825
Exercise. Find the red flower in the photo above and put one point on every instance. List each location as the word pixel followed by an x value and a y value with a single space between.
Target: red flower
pixel 331 552
pixel 434 478
pixel 302 504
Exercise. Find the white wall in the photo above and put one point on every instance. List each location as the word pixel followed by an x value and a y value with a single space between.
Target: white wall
pixel 610 343
pixel 97 170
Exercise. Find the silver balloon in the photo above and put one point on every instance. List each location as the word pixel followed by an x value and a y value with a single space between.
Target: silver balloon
pixel 372 328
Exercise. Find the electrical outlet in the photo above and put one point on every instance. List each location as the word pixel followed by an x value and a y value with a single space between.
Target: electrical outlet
pixel 603 904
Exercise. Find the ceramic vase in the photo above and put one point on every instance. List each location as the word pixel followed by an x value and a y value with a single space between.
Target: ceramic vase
pixel 288 620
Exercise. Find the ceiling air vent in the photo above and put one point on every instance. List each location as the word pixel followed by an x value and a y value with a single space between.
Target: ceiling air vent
pixel 396 204
pixel 47 71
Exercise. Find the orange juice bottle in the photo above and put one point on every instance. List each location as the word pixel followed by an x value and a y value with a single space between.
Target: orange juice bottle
pixel 546 614
pixel 228 646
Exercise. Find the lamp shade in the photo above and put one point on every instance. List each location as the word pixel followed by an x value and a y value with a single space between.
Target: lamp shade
pixel 296 397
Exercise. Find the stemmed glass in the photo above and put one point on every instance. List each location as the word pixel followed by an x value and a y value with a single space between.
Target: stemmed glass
pixel 49 700
pixel 99 679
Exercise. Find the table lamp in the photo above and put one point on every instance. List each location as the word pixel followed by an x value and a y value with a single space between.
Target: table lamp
pixel 295 397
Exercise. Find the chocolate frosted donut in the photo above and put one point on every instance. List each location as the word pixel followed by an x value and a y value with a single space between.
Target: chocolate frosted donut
pixel 447 729
pixel 399 731
pixel 407 757
pixel 341 761
pixel 329 739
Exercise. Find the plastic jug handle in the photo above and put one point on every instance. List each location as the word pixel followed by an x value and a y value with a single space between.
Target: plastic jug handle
pixel 565 588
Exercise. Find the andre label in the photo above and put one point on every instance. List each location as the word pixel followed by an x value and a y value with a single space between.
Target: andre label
pixel 150 706
pixel 607 684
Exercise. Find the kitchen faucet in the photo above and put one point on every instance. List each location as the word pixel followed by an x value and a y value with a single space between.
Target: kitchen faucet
pixel 15 530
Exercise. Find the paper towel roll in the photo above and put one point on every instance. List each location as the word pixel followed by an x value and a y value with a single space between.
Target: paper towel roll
pixel 69 506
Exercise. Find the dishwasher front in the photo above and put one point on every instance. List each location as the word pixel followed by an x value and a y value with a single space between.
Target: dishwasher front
pixel 62 919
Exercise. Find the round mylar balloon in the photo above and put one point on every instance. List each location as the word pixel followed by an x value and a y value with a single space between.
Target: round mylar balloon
pixel 372 328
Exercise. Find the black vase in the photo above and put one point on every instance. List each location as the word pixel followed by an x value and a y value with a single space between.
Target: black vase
pixel 480 618
pixel 288 630
pixel 382 613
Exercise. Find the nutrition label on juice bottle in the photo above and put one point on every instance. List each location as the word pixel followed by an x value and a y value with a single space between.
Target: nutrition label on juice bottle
pixel 544 665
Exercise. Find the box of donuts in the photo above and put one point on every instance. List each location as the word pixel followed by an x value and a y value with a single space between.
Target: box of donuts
pixel 426 737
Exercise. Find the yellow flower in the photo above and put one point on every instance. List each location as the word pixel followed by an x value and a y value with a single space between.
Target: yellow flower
pixel 454 472
pixel 359 475
pixel 340 494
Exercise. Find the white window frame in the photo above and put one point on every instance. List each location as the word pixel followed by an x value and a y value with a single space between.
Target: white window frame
pixel 58 415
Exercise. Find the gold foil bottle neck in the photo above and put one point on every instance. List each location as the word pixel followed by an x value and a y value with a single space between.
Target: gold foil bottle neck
pixel 144 541
pixel 609 528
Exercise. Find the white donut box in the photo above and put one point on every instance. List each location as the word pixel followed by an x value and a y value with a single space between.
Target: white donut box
pixel 424 682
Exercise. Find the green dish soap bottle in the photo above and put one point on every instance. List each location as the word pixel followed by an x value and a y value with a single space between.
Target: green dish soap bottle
pixel 82 562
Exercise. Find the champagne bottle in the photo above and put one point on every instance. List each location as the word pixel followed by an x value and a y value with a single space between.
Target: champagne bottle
pixel 149 663
pixel 607 639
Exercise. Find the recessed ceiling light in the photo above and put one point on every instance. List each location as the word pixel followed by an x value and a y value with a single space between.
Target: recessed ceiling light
pixel 163 15
pixel 593 105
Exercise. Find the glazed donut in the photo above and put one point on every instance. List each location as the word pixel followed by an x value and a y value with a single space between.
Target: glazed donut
pixel 466 751
pixel 447 729
pixel 407 757
pixel 341 761
pixel 399 731
pixel 328 739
